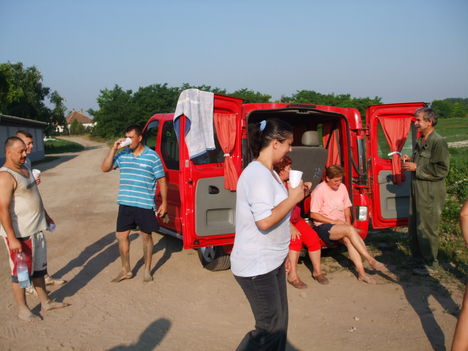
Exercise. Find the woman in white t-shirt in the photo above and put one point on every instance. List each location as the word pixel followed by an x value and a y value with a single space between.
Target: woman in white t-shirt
pixel 262 235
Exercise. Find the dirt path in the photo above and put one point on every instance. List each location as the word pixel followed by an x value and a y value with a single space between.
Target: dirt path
pixel 187 307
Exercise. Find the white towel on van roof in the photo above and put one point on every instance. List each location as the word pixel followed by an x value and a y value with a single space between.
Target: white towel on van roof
pixel 197 106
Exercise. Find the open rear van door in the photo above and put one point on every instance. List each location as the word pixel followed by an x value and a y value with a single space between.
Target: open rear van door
pixel 390 133
pixel 208 208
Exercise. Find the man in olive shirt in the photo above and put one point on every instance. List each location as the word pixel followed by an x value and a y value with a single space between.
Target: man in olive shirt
pixel 430 166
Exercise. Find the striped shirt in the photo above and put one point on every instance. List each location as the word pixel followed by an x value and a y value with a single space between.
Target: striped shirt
pixel 138 177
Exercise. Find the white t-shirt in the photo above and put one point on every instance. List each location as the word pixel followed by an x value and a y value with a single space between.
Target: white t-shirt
pixel 257 252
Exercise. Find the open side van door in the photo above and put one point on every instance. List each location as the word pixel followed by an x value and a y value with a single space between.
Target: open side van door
pixel 388 126
pixel 208 209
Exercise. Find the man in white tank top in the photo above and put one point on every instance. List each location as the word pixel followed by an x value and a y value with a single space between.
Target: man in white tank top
pixel 23 220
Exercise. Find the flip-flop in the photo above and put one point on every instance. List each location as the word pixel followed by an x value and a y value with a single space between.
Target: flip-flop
pixel 28 316
pixel 321 279
pixel 53 305
pixel 367 279
pixel 379 266
pixel 297 283
pixel 121 276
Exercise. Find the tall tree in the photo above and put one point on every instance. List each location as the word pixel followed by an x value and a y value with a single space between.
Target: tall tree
pixel 251 96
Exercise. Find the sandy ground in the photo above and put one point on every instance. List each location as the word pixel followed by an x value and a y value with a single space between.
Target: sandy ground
pixel 188 307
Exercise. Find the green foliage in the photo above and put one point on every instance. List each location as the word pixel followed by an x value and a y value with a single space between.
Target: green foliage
pixel 57 146
pixel 77 128
pixel 251 96
pixel 23 95
pixel 457 191
pixel 341 100
pixel 451 107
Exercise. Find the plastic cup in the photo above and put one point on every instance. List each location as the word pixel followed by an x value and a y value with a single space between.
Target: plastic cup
pixel 294 178
pixel 36 173
pixel 126 142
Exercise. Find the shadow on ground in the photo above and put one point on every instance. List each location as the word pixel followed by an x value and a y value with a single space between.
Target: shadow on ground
pixel 150 339
pixel 417 289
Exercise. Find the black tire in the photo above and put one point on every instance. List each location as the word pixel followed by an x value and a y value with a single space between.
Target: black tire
pixel 214 258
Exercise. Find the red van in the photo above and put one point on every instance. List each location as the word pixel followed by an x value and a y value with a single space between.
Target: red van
pixel 201 211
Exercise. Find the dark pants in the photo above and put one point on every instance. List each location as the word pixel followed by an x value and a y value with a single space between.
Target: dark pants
pixel 268 299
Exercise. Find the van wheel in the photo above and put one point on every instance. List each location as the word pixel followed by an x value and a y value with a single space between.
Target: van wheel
pixel 214 258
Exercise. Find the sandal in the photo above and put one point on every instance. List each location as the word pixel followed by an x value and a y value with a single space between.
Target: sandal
pixel 321 279
pixel 53 305
pixel 28 316
pixel 122 276
pixel 379 266
pixel 367 279
pixel 297 283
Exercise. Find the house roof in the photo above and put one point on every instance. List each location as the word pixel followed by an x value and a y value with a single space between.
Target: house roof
pixel 78 116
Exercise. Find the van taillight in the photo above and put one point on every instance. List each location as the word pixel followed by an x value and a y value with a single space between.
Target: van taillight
pixel 362 213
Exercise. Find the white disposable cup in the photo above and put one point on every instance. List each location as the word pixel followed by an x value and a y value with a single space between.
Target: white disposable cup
pixel 36 173
pixel 126 142
pixel 294 178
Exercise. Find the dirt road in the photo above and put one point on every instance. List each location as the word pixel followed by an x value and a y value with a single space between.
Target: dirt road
pixel 187 307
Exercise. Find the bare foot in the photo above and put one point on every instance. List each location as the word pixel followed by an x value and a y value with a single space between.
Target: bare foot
pixel 366 279
pixel 27 316
pixel 121 276
pixel 53 305
pixel 147 277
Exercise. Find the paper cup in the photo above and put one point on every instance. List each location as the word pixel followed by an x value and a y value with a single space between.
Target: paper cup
pixel 294 178
pixel 126 142
pixel 36 173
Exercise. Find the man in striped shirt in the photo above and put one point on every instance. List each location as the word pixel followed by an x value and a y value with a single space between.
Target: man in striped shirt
pixel 140 170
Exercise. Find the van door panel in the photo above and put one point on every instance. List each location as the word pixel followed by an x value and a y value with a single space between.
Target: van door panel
pixel 389 201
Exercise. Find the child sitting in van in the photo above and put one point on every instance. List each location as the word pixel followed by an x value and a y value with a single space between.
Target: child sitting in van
pixel 330 209
pixel 302 234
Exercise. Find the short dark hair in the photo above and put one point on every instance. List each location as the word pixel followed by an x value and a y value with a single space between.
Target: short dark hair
pixel 11 141
pixel 136 128
pixel 334 171
pixel 428 114
pixel 285 161
pixel 25 133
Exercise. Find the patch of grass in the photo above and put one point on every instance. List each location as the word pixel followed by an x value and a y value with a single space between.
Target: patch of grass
pixel 59 146
pixel 453 129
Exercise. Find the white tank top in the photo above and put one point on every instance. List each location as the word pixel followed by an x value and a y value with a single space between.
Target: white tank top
pixel 26 208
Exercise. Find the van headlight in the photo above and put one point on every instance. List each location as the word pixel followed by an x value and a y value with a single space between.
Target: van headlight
pixel 362 213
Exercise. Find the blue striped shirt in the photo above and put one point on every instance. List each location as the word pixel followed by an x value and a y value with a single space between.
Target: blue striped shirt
pixel 138 177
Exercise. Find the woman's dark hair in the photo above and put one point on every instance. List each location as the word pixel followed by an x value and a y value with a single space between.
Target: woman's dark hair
pixel 261 134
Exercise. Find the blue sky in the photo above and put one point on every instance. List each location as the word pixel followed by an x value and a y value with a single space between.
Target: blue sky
pixel 399 50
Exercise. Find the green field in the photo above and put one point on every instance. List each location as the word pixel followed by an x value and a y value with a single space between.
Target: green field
pixel 60 146
pixel 453 129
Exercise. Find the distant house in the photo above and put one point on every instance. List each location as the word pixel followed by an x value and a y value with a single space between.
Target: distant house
pixel 9 125
pixel 80 117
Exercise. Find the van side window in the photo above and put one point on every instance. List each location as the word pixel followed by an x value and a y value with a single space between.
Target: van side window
pixel 384 148
pixel 211 156
pixel 170 146
pixel 150 135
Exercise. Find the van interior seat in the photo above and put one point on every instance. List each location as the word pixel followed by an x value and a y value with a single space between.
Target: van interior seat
pixel 310 158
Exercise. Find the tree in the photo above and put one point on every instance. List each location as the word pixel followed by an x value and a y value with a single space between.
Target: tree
pixel 22 94
pixel 342 100
pixel 251 96
pixel 57 116
pixel 76 128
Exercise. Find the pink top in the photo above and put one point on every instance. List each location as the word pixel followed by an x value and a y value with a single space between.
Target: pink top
pixel 330 203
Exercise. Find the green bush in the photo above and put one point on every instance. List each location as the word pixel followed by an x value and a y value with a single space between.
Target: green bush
pixel 57 146
pixel 77 128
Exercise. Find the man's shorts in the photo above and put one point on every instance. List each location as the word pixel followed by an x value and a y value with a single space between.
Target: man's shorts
pixel 323 231
pixel 35 251
pixel 130 217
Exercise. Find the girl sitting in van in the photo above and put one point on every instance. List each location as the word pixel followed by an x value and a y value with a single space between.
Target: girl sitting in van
pixel 302 234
